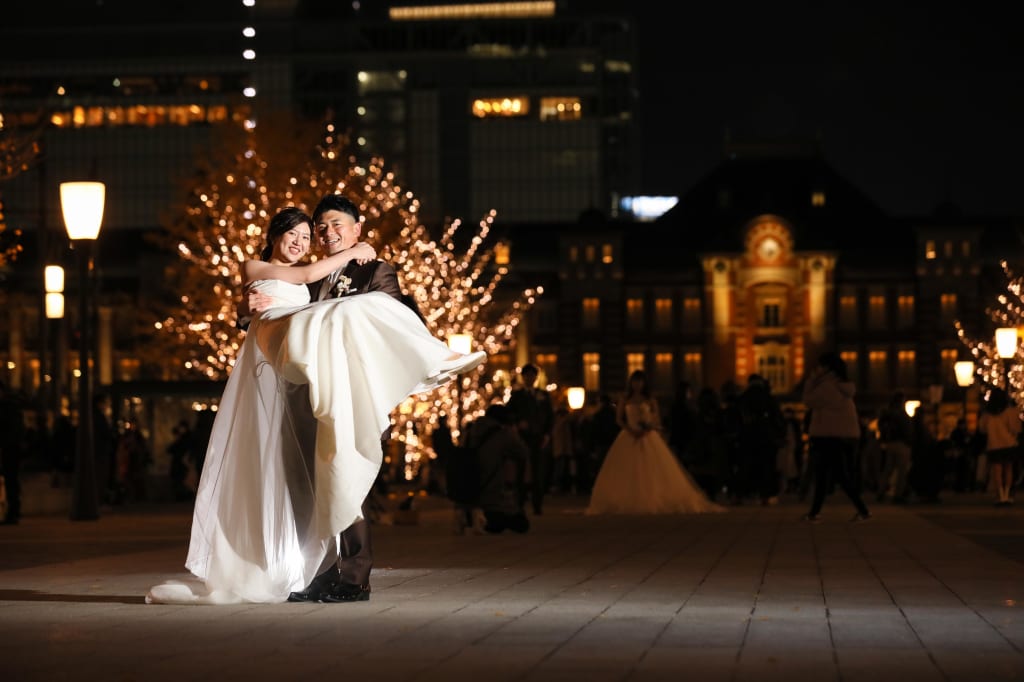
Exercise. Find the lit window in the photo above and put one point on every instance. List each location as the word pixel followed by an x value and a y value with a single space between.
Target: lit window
pixel 589 253
pixel 591 313
pixel 905 304
pixel 848 311
pixel 947 308
pixel 878 378
pixel 948 358
pixel 906 368
pixel 560 109
pixel 691 314
pixel 692 369
pixel 947 249
pixel 548 364
pixel 574 254
pixel 850 358
pixel 771 359
pixel 663 314
pixel 876 311
pixel 817 199
pixel 607 254
pixel 501 107
pixel 634 362
pixel 635 314
pixel 929 249
pixel 965 248
pixel 592 371
pixel 663 373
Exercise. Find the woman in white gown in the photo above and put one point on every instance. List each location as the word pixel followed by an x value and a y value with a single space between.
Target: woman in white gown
pixel 276 488
pixel 640 474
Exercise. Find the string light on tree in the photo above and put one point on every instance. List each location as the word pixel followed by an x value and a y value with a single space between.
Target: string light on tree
pixel 990 368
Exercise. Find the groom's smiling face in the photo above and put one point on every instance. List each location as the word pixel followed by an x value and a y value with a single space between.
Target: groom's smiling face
pixel 337 231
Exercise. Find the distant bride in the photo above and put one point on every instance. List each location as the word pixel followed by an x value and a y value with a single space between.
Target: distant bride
pixel 640 474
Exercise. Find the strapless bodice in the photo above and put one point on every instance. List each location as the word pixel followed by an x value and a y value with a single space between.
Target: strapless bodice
pixel 285 294
pixel 639 415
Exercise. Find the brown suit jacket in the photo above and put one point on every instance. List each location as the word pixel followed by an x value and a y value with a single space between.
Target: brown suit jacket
pixel 375 275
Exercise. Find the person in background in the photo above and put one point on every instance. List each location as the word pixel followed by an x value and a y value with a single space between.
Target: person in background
pixel 502 453
pixel 896 436
pixel 181 449
pixel 1000 422
pixel 682 422
pixel 534 414
pixel 12 436
pixel 834 432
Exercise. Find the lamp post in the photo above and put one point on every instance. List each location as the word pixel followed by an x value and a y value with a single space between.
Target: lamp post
pixel 82 206
pixel 53 280
pixel 964 370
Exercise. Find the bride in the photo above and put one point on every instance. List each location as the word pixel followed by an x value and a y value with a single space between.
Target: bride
pixel 640 474
pixel 275 488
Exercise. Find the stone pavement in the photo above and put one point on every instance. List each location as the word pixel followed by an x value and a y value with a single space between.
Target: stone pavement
pixel 917 593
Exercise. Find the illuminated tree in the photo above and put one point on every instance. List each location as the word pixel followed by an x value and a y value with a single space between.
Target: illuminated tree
pixel 233 198
pixel 1008 311
pixel 18 150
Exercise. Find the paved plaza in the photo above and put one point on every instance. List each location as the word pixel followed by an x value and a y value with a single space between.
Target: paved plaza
pixel 917 593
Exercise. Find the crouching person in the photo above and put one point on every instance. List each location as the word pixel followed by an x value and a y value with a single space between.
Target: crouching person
pixel 502 455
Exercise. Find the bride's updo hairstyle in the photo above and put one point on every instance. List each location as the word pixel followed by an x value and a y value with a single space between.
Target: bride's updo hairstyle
pixel 285 220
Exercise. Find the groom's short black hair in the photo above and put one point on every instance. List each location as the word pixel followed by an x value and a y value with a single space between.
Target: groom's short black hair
pixel 334 202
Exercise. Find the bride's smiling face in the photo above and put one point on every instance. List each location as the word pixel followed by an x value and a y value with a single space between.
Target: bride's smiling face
pixel 293 245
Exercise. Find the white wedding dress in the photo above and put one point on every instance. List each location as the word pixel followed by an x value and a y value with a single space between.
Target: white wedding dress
pixel 642 475
pixel 278 482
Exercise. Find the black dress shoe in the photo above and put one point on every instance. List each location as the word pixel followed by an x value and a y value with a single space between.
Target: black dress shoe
pixel 319 588
pixel 346 592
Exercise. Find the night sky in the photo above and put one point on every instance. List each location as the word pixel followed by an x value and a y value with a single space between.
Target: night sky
pixel 914 106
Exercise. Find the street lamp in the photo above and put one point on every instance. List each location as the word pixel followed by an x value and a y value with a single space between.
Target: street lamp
pixel 459 343
pixel 82 205
pixel 1006 348
pixel 53 278
pixel 964 370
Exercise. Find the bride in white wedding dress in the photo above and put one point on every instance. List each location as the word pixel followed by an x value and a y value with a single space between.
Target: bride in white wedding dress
pixel 277 487
pixel 640 474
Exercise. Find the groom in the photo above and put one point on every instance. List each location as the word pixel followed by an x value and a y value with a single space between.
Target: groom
pixel 337 227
